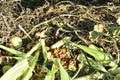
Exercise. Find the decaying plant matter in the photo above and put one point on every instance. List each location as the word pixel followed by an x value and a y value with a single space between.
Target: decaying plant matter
pixel 58 26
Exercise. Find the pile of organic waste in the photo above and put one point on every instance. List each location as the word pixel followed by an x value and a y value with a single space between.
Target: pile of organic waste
pixel 59 40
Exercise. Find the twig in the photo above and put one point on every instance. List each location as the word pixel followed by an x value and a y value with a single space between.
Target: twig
pixel 21 28
pixel 5 21
pixel 45 22
pixel 64 2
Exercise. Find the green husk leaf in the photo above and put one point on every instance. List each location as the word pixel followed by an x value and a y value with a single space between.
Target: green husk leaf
pixel 16 71
pixel 6 68
pixel 29 71
pixel 13 51
pixel 51 74
pixel 44 51
pixel 60 43
pixel 36 47
pixel 98 54
pixel 63 73
pixel 115 31
pixel 117 77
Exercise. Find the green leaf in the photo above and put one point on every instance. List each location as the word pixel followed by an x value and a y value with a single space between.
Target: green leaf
pixel 114 31
pixel 100 67
pixel 117 77
pixel 63 73
pixel 29 71
pixel 94 47
pixel 16 71
pixel 93 35
pixel 87 77
pixel 6 68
